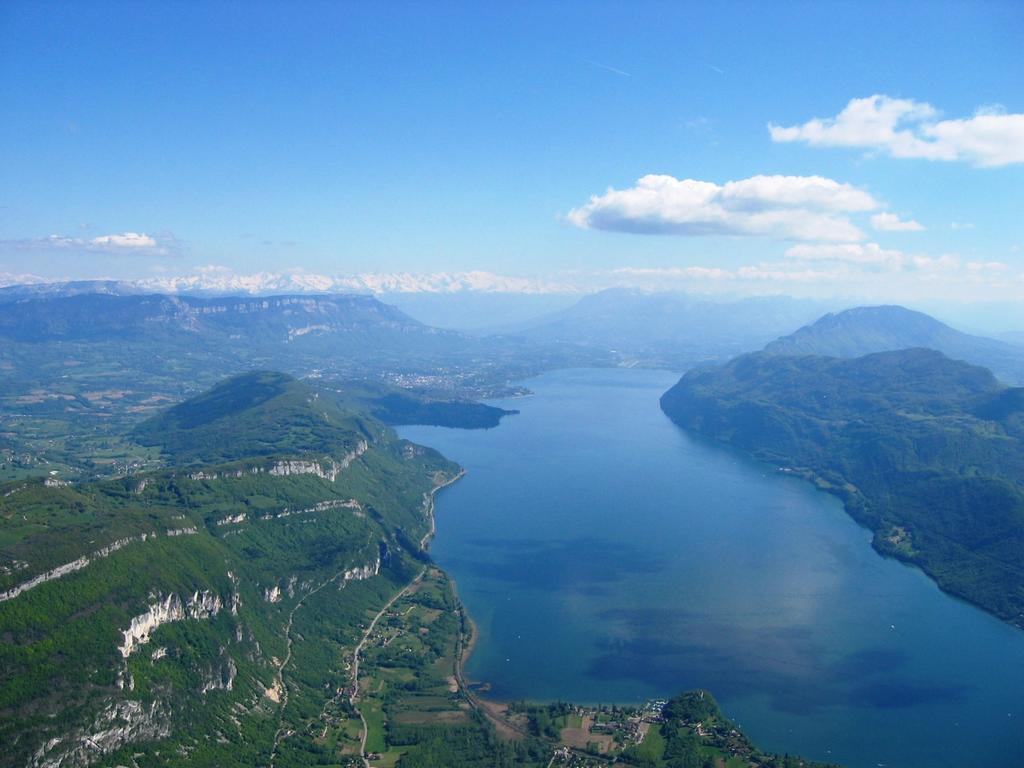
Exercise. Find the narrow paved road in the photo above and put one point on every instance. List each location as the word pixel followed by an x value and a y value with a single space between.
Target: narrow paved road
pixel 358 650
pixel 279 736
pixel 429 509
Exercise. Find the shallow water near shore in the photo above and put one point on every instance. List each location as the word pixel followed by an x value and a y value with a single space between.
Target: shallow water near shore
pixel 608 556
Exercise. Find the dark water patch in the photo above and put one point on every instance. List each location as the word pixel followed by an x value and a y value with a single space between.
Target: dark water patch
pixel 583 563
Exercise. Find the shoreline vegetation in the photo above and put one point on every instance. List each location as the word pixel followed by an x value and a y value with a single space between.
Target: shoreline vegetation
pixel 427 715
pixel 430 504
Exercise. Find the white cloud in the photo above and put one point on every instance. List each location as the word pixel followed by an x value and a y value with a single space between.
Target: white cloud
pixel 961 225
pixel 871 256
pixel 890 222
pixel 997 267
pixel 907 128
pixel 665 277
pixel 786 207
pixel 932 264
pixel 125 240
pixel 114 244
pixel 853 253
pixel 865 270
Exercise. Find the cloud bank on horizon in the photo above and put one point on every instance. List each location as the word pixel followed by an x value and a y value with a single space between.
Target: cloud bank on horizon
pixel 864 270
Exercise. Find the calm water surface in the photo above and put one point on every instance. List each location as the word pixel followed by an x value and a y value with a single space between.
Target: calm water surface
pixel 607 555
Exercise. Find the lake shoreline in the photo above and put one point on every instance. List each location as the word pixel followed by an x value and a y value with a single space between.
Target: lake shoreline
pixel 725 575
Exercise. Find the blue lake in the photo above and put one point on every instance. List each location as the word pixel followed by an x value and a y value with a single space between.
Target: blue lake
pixel 608 556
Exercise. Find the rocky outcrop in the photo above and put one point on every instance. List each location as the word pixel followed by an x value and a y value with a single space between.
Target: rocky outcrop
pixel 232 519
pixel 322 506
pixel 201 605
pixel 42 578
pixel 294 333
pixel 360 449
pixel 220 678
pixel 74 565
pixel 117 723
pixel 304 467
pixel 362 573
pixel 328 469
pixel 224 474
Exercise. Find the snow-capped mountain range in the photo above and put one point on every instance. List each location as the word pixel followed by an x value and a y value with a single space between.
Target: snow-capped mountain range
pixel 219 281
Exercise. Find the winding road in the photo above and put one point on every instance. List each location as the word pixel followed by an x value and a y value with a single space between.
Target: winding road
pixel 355 660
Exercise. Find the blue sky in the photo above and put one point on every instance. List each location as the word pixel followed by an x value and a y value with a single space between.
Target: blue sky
pixel 148 139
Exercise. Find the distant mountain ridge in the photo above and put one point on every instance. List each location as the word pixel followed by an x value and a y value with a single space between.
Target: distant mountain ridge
pixel 84 316
pixel 671 328
pixel 866 330
pixel 218 282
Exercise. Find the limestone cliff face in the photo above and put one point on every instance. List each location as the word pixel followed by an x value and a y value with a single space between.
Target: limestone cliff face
pixel 116 724
pixel 272 594
pixel 220 677
pixel 364 572
pixel 200 605
pixel 53 573
pixel 328 469
pixel 232 519
pixel 302 467
pixel 320 506
pixel 74 565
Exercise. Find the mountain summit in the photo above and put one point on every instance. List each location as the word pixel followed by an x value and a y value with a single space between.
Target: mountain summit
pixel 866 330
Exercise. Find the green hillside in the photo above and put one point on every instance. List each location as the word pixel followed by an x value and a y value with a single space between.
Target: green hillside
pixel 926 451
pixel 299 525
pixel 254 414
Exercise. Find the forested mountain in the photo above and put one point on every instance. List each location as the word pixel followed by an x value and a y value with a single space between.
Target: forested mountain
pixel 926 451
pixel 158 615
pixel 863 330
